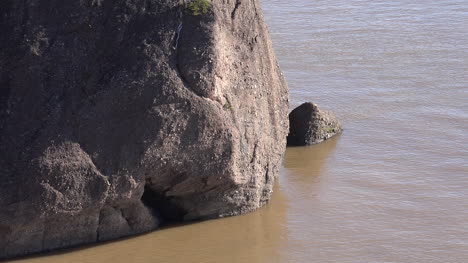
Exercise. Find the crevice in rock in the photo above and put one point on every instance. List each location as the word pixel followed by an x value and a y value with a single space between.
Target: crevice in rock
pixel 163 206
pixel 176 50
pixel 254 154
pixel 255 8
pixel 186 34
pixel 267 174
pixel 98 228
pixel 43 236
pixel 177 65
pixel 233 13
pixel 5 91
pixel 177 36
pixel 125 218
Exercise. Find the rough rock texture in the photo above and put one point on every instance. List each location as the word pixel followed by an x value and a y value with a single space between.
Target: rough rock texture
pixel 310 125
pixel 116 115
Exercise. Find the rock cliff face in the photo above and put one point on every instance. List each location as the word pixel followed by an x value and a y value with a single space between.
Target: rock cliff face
pixel 118 115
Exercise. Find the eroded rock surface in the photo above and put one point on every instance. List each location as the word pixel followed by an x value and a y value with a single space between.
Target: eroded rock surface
pixel 311 125
pixel 118 115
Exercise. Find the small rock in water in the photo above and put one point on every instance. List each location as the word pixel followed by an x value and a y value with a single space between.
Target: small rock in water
pixel 310 125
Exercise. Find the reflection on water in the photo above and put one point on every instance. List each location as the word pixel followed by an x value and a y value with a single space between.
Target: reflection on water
pixel 310 159
pixel 303 169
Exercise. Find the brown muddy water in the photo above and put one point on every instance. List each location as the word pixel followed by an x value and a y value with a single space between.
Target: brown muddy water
pixel 393 187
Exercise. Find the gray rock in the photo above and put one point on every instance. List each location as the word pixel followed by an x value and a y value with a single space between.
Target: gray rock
pixel 310 125
pixel 118 115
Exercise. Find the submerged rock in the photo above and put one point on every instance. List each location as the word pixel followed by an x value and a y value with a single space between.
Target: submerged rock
pixel 310 125
pixel 116 116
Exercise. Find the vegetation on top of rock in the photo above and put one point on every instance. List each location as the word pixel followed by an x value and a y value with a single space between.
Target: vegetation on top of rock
pixel 199 7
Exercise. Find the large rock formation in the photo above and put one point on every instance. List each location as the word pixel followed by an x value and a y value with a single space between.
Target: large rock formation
pixel 116 115
pixel 310 125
